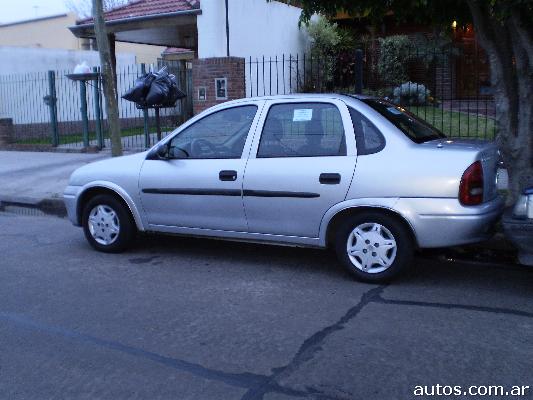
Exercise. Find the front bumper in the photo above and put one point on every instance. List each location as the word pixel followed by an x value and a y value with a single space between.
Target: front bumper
pixel 445 222
pixel 70 197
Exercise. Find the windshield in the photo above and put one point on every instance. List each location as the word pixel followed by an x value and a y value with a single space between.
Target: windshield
pixel 413 127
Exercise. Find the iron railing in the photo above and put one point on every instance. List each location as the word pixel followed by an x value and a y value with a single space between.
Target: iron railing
pixel 449 87
pixel 50 109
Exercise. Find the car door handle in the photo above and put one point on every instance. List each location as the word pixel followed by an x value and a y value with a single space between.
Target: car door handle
pixel 227 175
pixel 330 179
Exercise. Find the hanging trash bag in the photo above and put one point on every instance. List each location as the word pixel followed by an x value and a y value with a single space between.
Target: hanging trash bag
pixel 139 91
pixel 175 93
pixel 159 89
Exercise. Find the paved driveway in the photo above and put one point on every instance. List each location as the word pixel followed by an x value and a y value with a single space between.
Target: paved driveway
pixel 199 319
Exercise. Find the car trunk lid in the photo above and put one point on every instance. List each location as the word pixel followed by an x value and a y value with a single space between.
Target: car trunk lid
pixel 484 151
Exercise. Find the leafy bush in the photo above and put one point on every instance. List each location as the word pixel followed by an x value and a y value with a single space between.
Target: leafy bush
pixel 325 40
pixel 411 93
pixel 325 36
pixel 395 53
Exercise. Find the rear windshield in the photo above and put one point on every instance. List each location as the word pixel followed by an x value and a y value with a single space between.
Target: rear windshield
pixel 413 127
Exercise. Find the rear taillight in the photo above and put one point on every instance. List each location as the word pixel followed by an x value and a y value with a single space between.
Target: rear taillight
pixel 471 187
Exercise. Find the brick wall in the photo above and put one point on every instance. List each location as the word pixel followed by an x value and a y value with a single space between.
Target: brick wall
pixel 206 71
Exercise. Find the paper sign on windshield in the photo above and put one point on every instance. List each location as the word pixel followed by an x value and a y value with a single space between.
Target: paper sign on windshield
pixel 302 114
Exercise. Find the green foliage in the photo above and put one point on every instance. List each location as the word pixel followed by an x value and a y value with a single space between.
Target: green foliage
pixel 433 12
pixel 436 49
pixel 324 36
pixel 326 39
pixel 395 52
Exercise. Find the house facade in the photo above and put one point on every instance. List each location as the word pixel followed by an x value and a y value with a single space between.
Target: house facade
pixel 252 28
pixel 224 36
pixel 52 33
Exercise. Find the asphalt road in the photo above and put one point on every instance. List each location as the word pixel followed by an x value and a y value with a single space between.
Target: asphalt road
pixel 199 319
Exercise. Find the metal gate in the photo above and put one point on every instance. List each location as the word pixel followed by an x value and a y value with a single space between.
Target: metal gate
pixel 50 110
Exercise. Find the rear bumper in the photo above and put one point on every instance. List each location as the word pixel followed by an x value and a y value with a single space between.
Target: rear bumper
pixel 445 222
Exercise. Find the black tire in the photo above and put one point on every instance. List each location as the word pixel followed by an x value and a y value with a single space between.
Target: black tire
pixel 127 228
pixel 401 235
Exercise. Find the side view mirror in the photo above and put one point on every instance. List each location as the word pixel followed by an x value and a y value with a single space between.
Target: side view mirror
pixel 159 153
pixel 162 151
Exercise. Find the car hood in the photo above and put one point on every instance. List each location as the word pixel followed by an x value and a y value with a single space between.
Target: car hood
pixel 112 169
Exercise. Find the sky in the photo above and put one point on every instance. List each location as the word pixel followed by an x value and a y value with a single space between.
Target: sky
pixel 18 10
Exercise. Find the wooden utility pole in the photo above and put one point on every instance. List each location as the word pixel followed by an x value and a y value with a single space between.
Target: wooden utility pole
pixel 108 77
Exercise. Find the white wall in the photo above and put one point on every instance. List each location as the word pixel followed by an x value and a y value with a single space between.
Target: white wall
pixel 211 27
pixel 24 83
pixel 17 60
pixel 257 28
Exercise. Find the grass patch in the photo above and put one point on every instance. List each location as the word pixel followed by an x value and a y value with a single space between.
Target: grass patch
pixel 451 123
pixel 456 123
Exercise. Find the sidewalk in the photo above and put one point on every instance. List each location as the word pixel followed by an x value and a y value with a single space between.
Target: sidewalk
pixel 37 179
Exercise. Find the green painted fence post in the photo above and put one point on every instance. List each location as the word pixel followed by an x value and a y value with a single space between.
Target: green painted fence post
pixel 52 103
pixel 84 117
pixel 145 116
pixel 98 111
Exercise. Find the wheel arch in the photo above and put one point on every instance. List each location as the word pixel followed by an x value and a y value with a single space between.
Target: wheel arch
pixel 336 218
pixel 103 188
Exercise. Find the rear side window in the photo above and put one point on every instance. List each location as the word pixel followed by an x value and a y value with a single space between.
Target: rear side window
pixel 302 130
pixel 369 139
pixel 416 129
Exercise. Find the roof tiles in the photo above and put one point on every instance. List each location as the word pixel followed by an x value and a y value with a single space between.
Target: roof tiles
pixel 143 8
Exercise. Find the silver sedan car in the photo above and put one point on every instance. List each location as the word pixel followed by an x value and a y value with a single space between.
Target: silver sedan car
pixel 355 173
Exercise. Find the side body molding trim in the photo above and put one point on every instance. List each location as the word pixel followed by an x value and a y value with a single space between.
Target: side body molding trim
pixel 233 192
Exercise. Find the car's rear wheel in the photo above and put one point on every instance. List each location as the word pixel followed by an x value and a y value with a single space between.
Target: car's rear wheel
pixel 107 224
pixel 374 247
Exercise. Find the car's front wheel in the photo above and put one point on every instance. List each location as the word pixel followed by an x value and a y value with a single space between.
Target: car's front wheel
pixel 107 224
pixel 374 247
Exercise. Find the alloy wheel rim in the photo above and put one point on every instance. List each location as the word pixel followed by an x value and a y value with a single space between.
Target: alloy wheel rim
pixel 371 248
pixel 104 224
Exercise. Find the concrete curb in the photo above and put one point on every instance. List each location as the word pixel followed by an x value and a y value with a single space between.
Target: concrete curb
pixel 48 206
pixel 50 149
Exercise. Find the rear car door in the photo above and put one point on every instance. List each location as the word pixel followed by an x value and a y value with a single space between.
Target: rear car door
pixel 200 185
pixel 300 165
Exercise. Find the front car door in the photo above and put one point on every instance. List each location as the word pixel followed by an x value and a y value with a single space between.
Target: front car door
pixel 300 165
pixel 200 185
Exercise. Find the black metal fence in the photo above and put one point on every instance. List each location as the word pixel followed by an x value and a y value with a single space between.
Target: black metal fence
pixel 448 87
pixel 51 109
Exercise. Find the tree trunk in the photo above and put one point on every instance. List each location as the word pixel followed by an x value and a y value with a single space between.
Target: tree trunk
pixel 108 78
pixel 508 45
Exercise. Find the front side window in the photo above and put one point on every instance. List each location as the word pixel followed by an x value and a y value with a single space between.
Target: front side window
pixel 302 130
pixel 217 136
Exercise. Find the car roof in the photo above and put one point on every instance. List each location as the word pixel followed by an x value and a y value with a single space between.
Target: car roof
pixel 303 96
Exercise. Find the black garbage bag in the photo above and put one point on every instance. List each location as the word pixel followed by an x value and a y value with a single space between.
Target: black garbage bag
pixel 174 93
pixel 155 89
pixel 159 89
pixel 140 89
